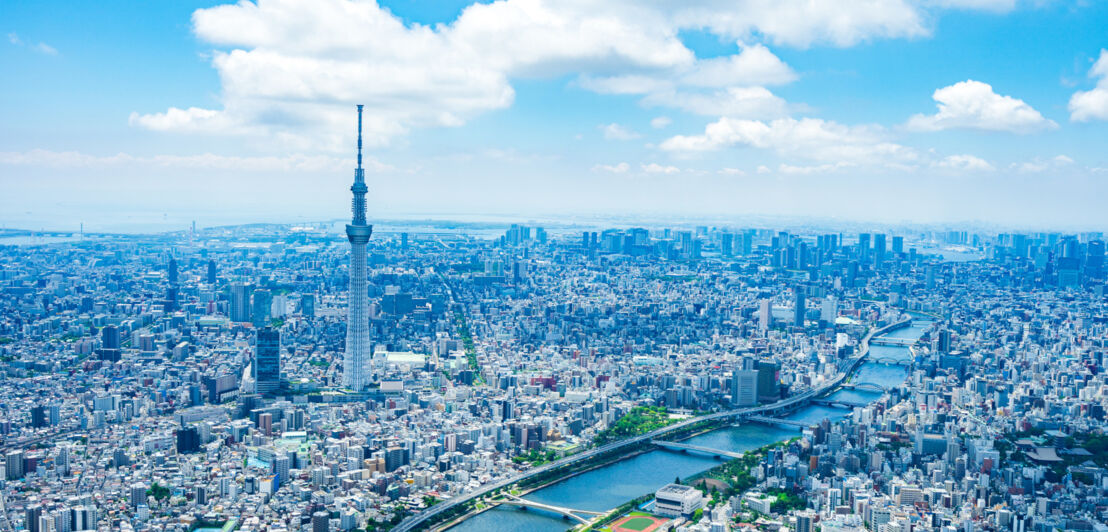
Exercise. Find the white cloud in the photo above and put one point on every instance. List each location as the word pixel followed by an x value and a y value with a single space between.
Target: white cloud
pixel 973 105
pixel 801 23
pixel 660 122
pixel 45 48
pixel 41 47
pixel 753 65
pixel 964 162
pixel 732 86
pixel 789 169
pixel 620 168
pixel 998 6
pixel 1038 164
pixel 291 71
pixel 287 163
pixel 731 171
pixel 734 102
pixel 617 132
pixel 807 138
pixel 1092 104
pixel 655 168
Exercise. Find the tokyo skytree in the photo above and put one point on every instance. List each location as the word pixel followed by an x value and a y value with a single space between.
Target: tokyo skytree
pixel 356 373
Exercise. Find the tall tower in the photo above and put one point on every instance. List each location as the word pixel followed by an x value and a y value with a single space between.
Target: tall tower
pixel 355 362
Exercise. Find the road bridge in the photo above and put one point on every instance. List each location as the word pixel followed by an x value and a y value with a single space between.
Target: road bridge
pixel 684 447
pixel 900 342
pixel 848 367
pixel 779 421
pixel 891 361
pixel 839 403
pixel 571 513
pixel 865 386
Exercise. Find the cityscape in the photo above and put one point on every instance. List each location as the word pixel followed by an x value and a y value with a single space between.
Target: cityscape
pixel 367 368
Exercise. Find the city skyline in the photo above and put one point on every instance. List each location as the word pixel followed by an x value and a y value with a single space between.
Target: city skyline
pixel 898 111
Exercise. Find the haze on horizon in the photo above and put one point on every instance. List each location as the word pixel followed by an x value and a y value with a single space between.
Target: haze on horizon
pixel 897 111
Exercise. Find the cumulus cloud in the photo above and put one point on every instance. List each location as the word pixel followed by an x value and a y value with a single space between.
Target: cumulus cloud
pixel 734 102
pixel 660 122
pixel 973 105
pixel 620 168
pixel 287 163
pixel 789 169
pixel 291 70
pixel 1039 165
pixel 617 132
pixel 1092 104
pixel 963 162
pixel 801 23
pixel 655 168
pixel 807 138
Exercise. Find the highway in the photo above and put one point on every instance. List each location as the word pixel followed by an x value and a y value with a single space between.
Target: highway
pixel 850 365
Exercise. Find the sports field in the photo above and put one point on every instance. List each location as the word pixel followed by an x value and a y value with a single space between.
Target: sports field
pixel 638 523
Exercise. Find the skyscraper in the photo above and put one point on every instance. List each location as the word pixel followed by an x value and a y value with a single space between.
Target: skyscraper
pixel 240 302
pixel 799 305
pixel 263 305
pixel 355 361
pixel 211 271
pixel 267 360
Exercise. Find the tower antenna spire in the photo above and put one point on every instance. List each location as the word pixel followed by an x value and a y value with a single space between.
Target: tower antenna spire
pixel 359 136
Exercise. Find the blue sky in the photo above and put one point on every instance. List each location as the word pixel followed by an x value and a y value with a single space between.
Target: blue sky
pixel 990 111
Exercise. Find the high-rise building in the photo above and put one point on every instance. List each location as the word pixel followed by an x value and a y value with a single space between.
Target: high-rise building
pixel 14 463
pixel 863 245
pixel 744 387
pixel 240 302
pixel 307 305
pixel 765 314
pixel 211 271
pixel 138 495
pixel 767 381
pixel 321 521
pixel 800 305
pixel 267 360
pixel 188 440
pixel 263 307
pixel 355 361
pixel 879 248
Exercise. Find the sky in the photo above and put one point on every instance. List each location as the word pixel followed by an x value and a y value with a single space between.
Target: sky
pixel 129 114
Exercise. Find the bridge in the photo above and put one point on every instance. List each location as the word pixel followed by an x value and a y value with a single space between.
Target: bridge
pixel 684 447
pixel 428 515
pixel 779 421
pixel 865 386
pixel 571 513
pixel 892 361
pixel 839 403
pixel 900 342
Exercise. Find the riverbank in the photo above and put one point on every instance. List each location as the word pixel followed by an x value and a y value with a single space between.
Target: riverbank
pixel 604 463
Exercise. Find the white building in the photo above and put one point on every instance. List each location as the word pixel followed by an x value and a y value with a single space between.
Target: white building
pixel 673 500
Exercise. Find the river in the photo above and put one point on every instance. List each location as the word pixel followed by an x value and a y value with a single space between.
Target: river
pixel 612 485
